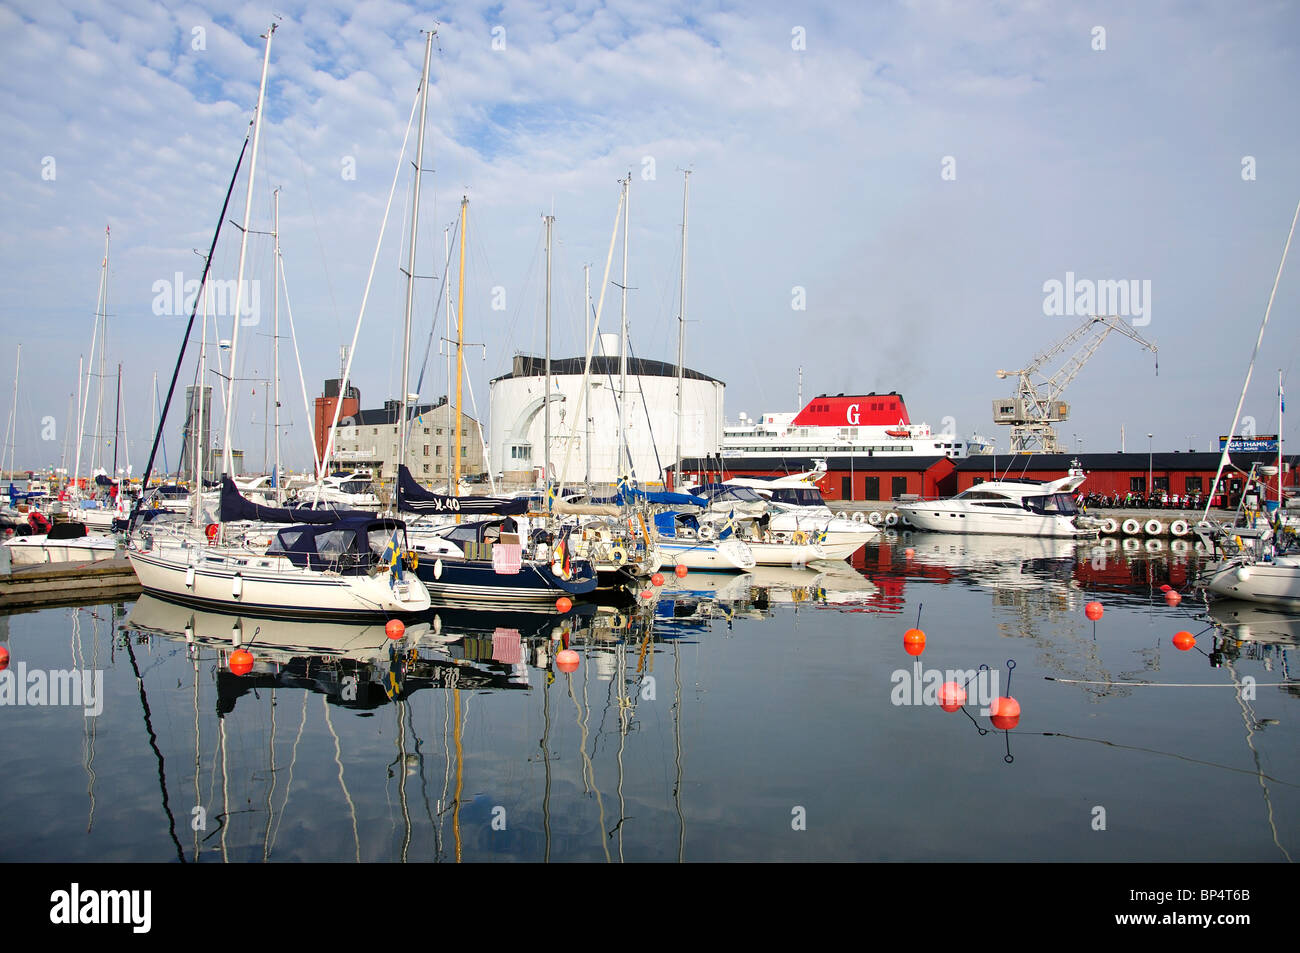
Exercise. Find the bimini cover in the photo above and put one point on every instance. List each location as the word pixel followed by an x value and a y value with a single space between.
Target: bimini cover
pixel 235 507
pixel 352 543
pixel 413 498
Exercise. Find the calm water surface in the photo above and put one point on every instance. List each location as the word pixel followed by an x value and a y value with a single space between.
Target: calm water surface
pixel 733 718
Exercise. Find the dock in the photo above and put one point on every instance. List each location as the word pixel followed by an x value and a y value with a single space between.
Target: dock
pixel 66 584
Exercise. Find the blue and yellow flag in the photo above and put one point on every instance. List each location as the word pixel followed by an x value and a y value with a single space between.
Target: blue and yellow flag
pixel 392 559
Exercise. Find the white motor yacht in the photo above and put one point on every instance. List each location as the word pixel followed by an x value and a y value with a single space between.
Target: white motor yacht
pixel 1005 507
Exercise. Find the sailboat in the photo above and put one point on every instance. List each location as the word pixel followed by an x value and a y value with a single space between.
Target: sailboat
pixel 320 566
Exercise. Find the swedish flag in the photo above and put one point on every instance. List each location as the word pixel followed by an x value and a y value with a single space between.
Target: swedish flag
pixel 392 558
pixel 550 496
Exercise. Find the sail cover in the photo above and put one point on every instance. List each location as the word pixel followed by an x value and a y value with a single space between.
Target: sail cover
pixel 235 507
pixel 413 498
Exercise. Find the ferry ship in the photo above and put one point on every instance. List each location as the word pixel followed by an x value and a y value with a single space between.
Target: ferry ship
pixel 860 424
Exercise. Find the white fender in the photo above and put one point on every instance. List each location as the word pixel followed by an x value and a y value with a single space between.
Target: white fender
pixel 1154 527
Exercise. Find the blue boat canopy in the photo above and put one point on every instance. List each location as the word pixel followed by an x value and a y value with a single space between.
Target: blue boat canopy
pixel 413 498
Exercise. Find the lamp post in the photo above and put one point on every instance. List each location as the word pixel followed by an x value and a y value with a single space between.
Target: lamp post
pixel 1150 472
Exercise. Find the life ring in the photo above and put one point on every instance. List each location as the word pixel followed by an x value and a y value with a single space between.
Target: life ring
pixel 211 531
pixel 618 622
pixel 705 531
pixel 1179 527
pixel 1154 527
pixel 841 515
pixel 618 556
pixel 858 517
pixel 891 519
pixel 800 538
pixel 1110 526
pixel 38 523
pixel 1131 527
pixel 875 519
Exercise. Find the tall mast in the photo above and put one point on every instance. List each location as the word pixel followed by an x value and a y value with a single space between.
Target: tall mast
pixel 117 420
pixel 11 425
pixel 681 326
pixel 546 402
pixel 622 355
pixel 402 436
pixel 227 465
pixel 460 338
pixel 1281 406
pixel 103 340
pixel 199 448
pixel 275 344
pixel 586 409
pixel 446 244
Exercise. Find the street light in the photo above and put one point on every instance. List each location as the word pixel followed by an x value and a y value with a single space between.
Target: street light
pixel 1150 483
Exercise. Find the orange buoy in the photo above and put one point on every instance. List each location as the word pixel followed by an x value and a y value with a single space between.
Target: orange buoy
pixel 395 629
pixel 914 641
pixel 1183 641
pixel 4 658
pixel 680 571
pixel 1173 598
pixel 241 661
pixel 909 552
pixel 1166 587
pixel 647 594
pixel 566 660
pixel 657 579
pixel 951 696
pixel 563 604
pixel 1005 713
pixel 1094 611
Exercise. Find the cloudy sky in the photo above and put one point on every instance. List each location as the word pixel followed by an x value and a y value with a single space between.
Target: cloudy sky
pixel 912 173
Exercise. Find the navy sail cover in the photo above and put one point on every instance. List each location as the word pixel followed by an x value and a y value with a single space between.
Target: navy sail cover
pixel 235 507
pixel 413 498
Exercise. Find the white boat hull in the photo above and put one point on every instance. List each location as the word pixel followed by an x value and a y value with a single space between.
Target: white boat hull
pixel 271 585
pixel 786 554
pixel 38 550
pixel 1276 583
pixel 714 555
pixel 941 517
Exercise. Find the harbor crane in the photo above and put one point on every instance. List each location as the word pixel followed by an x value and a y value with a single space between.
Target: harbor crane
pixel 1034 408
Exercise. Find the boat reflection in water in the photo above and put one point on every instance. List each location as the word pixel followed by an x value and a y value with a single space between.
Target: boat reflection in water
pixel 1249 630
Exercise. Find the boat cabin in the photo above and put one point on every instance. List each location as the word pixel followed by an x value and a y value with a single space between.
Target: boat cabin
pixel 351 546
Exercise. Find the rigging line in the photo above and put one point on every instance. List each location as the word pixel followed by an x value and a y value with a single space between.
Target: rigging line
pixel 645 407
pixel 311 207
pixel 365 298
pixel 302 380
pixel 1166 754
pixel 433 327
pixel 189 329
pixel 1250 721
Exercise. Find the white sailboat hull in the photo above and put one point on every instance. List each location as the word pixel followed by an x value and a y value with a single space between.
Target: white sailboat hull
pixel 236 580
pixel 39 550
pixel 944 517
pixel 715 555
pixel 1276 583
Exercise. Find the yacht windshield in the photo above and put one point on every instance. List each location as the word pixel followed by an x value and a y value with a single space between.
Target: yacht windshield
pixel 798 497
pixel 1055 504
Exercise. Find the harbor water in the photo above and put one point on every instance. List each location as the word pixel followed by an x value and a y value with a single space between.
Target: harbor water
pixel 771 716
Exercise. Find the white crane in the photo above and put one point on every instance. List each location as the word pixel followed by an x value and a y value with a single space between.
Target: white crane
pixel 1035 407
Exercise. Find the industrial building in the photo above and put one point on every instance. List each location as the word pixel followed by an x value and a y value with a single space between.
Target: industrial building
pixel 368 438
pixel 588 439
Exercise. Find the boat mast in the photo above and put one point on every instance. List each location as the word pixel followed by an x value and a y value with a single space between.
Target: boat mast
pixel 1281 406
pixel 681 327
pixel 586 412
pixel 622 358
pixel 199 449
pixel 11 425
pixel 117 421
pixel 446 244
pixel 103 340
pixel 275 342
pixel 460 339
pixel 402 436
pixel 227 464
pixel 546 401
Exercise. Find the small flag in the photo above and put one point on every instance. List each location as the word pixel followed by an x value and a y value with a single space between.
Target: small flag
pixel 1281 396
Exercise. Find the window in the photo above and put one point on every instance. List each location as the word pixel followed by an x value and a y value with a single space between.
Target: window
pixel 438 450
pixel 439 432
pixel 426 468
pixel 426 429
pixel 1193 485
pixel 426 449
pixel 1137 484
pixel 977 481
pixel 464 451
pixel 1160 484
pixel 374 431
pixel 438 468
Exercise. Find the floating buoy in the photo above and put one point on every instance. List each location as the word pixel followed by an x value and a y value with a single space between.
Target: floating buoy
pixel 4 658
pixel 1094 610
pixel 681 571
pixel 1166 587
pixel 909 552
pixel 1243 574
pixel 395 629
pixel 566 660
pixel 657 579
pixel 1005 713
pixel 1183 641
pixel 914 641
pixel 1172 598
pixel 241 662
pixel 563 604
pixel 951 696
pixel 647 594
